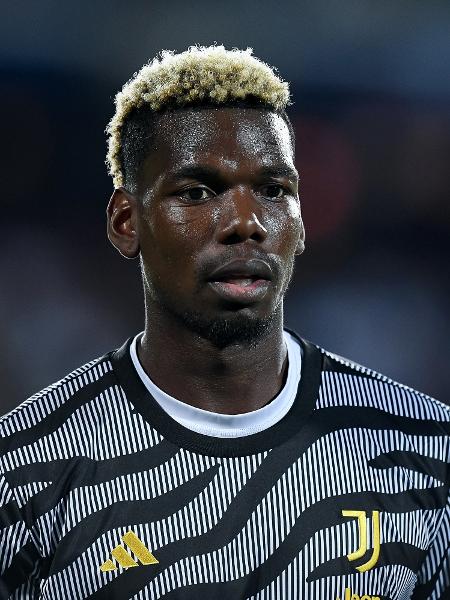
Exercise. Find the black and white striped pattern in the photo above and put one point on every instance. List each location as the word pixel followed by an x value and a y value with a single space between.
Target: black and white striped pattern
pixel 80 466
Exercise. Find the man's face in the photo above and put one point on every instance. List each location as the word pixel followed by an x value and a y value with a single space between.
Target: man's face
pixel 220 220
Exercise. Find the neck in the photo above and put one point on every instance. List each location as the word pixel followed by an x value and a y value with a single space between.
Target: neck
pixel 232 380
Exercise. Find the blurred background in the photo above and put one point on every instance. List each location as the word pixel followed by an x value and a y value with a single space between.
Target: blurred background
pixel 371 86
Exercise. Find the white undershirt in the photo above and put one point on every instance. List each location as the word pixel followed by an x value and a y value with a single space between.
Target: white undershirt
pixel 223 425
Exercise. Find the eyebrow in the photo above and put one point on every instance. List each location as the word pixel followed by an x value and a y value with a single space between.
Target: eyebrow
pixel 213 175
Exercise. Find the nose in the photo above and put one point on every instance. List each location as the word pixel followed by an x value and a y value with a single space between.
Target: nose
pixel 240 219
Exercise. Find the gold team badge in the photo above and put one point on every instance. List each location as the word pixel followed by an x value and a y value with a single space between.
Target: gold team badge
pixel 125 559
pixel 362 548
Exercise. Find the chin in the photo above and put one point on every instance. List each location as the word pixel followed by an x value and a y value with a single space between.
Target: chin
pixel 242 327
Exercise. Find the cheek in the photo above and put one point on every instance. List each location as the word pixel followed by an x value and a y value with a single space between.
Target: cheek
pixel 287 226
pixel 175 235
pixel 293 209
pixel 188 223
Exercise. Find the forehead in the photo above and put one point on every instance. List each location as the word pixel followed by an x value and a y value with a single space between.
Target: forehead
pixel 234 139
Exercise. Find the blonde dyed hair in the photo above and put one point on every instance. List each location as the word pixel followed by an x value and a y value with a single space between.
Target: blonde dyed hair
pixel 199 75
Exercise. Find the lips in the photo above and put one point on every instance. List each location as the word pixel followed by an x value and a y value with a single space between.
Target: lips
pixel 241 281
pixel 242 270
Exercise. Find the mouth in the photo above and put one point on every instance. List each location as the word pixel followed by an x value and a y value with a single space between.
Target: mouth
pixel 242 281
pixel 240 291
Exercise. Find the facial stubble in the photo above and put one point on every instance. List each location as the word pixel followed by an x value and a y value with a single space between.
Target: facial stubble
pixel 236 326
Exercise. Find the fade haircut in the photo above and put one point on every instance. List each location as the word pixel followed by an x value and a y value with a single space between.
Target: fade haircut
pixel 200 77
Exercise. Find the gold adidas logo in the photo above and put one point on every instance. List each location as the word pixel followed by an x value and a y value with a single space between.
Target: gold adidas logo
pixel 125 559
pixel 350 596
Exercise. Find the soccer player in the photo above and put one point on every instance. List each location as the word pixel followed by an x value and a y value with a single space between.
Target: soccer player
pixel 217 454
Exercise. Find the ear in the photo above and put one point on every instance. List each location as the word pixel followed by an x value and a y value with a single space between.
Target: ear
pixel 122 219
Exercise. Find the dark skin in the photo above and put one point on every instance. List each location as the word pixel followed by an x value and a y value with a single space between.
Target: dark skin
pixel 218 185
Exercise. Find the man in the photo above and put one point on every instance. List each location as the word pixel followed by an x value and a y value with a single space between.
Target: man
pixel 217 454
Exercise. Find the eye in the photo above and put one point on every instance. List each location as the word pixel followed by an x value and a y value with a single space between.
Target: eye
pixel 196 194
pixel 273 191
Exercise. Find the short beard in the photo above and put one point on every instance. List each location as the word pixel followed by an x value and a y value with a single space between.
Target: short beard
pixel 230 331
pixel 237 329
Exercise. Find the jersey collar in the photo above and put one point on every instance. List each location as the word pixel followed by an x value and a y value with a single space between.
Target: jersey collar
pixel 304 403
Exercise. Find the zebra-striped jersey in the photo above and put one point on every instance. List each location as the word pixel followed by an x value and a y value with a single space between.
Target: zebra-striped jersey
pixel 104 496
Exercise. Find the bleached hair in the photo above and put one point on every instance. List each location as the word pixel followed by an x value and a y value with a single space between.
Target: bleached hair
pixel 208 75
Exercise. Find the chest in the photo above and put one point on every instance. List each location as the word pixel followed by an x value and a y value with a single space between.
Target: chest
pixel 317 524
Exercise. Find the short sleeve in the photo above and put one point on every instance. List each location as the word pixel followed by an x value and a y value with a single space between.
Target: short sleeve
pixel 19 555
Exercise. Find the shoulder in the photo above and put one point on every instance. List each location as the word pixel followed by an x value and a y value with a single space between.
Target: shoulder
pixel 47 409
pixel 348 383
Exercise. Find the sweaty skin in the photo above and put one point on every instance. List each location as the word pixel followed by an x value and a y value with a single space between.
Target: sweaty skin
pixel 218 185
